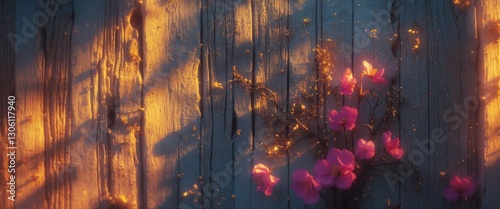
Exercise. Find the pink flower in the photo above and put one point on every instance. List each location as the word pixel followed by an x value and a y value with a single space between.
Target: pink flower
pixel 305 186
pixel 365 149
pixel 345 118
pixel 373 73
pixel 336 170
pixel 265 181
pixel 392 145
pixel 459 187
pixel 347 83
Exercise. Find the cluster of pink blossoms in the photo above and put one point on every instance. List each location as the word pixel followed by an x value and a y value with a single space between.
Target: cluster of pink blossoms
pixel 337 170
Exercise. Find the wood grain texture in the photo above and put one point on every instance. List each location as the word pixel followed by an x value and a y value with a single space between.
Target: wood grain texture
pixel 242 133
pixel 134 102
pixel 445 31
pixel 337 38
pixel 414 114
pixel 271 69
pixel 124 108
pixel 106 105
pixel 7 78
pixel 302 75
pixel 44 85
pixel 90 187
pixel 374 32
pixel 171 60
pixel 56 46
pixel 218 109
pixel 488 134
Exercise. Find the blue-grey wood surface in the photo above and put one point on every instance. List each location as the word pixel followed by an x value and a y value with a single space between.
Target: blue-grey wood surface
pixel 134 102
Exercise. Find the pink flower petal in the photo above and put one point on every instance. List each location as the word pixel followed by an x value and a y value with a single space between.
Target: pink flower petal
pixel 335 119
pixel 368 68
pixel 377 78
pixel 333 154
pixel 260 168
pixel 300 175
pixel 347 83
pixel 451 194
pixel 469 187
pixel 322 167
pixel 345 180
pixel 386 137
pixel 299 189
pixel 396 153
pixel 305 186
pixel 311 198
pixel 322 172
pixel 346 160
pixel 350 125
pixel 345 118
pixel 455 182
pixel 392 145
pixel 364 149
pixel 264 180
pixel 351 114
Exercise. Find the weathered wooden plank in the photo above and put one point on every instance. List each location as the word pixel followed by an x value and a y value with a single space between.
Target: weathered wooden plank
pixel 124 106
pixel 103 98
pixel 7 78
pixel 218 125
pixel 87 189
pixel 270 60
pixel 30 116
pixel 489 123
pixel 242 60
pixel 302 76
pixel 112 84
pixel 190 134
pixel 337 38
pixel 171 101
pixel 56 45
pixel 445 77
pixel 373 34
pixel 43 80
pixel 106 92
pixel 466 146
pixel 443 80
pixel 414 75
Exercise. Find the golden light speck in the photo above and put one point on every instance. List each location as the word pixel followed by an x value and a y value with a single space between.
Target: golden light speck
pixel 417 44
pixel 307 21
pixel 461 3
pixel 373 33
pixel 218 85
